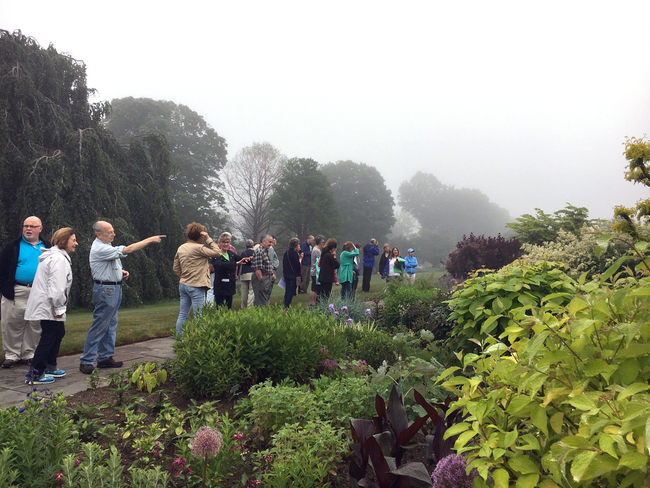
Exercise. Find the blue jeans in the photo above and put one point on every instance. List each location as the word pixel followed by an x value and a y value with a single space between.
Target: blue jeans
pixel 346 289
pixel 100 340
pixel 191 297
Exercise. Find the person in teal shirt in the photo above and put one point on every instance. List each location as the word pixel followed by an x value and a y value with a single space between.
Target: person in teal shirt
pixel 346 271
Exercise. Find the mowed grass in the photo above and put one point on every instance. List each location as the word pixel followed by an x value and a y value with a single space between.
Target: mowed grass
pixel 159 319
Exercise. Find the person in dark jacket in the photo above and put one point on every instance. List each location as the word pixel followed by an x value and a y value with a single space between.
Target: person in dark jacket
pixel 305 247
pixel 382 261
pixel 370 250
pixel 291 269
pixel 328 266
pixel 225 272
pixel 18 263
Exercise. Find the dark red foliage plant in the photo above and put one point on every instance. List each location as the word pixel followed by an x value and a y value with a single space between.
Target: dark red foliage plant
pixel 476 252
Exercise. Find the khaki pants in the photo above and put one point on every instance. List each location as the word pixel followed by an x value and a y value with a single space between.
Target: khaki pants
pixel 247 293
pixel 19 336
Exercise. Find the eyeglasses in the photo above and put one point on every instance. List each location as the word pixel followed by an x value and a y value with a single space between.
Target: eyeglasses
pixel 31 226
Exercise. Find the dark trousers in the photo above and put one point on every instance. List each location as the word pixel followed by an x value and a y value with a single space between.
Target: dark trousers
pixel 52 332
pixel 289 291
pixel 221 300
pixel 325 290
pixel 355 284
pixel 346 289
pixel 367 274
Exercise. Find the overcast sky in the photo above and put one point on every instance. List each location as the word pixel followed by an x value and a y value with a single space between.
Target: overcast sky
pixel 530 102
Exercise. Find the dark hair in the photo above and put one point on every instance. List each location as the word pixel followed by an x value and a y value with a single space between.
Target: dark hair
pixel 61 237
pixel 391 251
pixel 329 245
pixel 194 231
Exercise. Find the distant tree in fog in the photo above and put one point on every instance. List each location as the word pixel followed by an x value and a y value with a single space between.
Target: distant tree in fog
pixel 198 152
pixel 364 202
pixel 449 210
pixel 302 201
pixel 249 179
pixel 542 227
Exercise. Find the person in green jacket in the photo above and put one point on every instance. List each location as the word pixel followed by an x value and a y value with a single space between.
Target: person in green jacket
pixel 394 265
pixel 346 271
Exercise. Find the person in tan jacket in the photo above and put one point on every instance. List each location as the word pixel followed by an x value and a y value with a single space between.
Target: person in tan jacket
pixel 191 265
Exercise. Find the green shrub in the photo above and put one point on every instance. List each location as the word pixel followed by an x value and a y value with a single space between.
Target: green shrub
pixel 563 399
pixel 375 347
pixel 222 348
pixel 343 399
pixel 349 308
pixel 482 306
pixel 35 439
pixel 271 407
pixel 407 306
pixel 304 455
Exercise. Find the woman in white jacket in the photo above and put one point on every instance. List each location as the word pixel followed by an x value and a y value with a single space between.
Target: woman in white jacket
pixel 48 301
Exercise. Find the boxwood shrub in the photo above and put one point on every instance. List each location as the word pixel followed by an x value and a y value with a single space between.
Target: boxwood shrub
pixel 222 348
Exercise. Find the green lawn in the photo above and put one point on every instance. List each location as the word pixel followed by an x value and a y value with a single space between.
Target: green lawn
pixel 159 319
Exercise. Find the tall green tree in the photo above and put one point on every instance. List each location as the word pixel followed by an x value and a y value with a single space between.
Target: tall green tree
pixel 543 227
pixel 302 201
pixel 198 153
pixel 60 163
pixel 364 202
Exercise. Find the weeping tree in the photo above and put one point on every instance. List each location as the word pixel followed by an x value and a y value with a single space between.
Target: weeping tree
pixel 59 163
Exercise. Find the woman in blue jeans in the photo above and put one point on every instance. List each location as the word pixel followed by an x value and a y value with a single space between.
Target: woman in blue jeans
pixel 191 265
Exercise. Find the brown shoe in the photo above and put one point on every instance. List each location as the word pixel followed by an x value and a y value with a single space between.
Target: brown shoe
pixel 86 368
pixel 109 363
pixel 9 363
pixel 28 362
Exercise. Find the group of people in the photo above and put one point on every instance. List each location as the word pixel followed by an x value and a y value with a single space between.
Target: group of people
pixel 35 282
pixel 36 277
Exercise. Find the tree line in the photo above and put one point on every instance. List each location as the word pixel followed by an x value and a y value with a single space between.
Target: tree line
pixel 150 167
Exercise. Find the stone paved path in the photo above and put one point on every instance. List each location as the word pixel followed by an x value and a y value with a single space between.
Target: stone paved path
pixel 13 389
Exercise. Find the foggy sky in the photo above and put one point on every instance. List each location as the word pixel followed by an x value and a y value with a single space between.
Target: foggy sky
pixel 530 102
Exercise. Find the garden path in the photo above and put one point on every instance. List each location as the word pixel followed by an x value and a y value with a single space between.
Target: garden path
pixel 12 381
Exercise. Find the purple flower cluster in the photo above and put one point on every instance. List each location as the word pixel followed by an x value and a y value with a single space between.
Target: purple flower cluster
pixel 206 442
pixel 330 364
pixel 368 312
pixel 450 472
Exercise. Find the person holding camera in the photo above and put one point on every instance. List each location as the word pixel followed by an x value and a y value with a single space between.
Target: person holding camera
pixel 370 250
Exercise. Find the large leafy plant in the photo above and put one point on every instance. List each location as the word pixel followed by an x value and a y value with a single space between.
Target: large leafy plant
pixel 484 304
pixel 560 398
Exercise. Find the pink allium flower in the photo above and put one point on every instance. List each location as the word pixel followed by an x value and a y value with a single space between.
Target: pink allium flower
pixel 330 364
pixel 206 442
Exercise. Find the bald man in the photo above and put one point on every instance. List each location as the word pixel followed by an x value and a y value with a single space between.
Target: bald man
pixel 106 268
pixel 18 263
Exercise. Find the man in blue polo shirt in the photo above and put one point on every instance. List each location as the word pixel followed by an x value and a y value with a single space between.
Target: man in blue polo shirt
pixel 18 263
pixel 106 268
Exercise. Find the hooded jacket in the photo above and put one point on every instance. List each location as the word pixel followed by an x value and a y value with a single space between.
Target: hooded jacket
pixel 49 294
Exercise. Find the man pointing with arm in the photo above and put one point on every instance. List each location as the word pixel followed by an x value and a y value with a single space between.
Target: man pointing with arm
pixel 106 268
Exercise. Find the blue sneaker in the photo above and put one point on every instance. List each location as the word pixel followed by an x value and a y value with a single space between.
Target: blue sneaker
pixel 43 380
pixel 57 373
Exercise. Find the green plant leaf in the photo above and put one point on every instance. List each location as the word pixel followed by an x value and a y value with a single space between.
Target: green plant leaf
pixel 501 478
pixel 633 389
pixel 581 464
pixel 523 464
pixel 633 460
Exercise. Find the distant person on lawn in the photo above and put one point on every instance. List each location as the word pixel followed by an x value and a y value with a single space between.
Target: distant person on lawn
pixel 411 262
pixel 305 264
pixel 18 263
pixel 370 250
pixel 263 272
pixel 48 302
pixel 106 268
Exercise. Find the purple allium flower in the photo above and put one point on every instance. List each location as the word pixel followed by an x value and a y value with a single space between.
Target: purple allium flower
pixel 450 473
pixel 349 321
pixel 362 362
pixel 336 314
pixel 368 312
pixel 206 442
pixel 344 309
pixel 331 307
pixel 330 364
